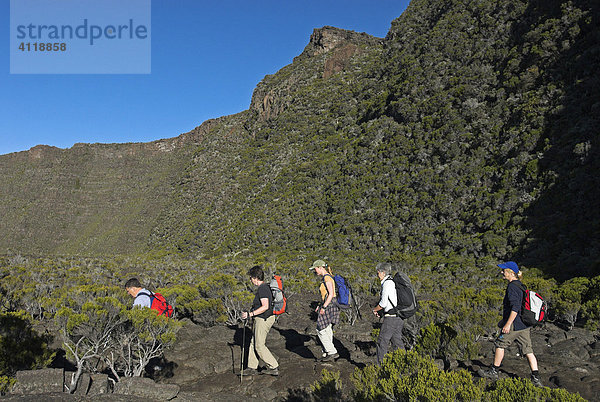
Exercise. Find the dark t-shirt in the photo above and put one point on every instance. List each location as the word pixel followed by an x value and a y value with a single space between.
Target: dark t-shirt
pixel 263 291
pixel 513 297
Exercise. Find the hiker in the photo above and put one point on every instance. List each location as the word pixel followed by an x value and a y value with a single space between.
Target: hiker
pixel 512 327
pixel 328 313
pixel 391 329
pixel 262 313
pixel 141 295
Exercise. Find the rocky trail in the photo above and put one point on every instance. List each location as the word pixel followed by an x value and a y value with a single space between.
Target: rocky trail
pixel 205 362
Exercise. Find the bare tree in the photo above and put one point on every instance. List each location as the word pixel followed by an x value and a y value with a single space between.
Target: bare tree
pixel 87 331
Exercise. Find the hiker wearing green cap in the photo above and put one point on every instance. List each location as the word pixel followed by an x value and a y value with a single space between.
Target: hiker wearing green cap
pixel 328 312
pixel 512 327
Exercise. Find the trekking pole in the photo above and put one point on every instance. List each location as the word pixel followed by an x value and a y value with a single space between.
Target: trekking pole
pixel 243 347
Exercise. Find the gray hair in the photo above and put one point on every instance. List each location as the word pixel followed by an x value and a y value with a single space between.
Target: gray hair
pixel 384 267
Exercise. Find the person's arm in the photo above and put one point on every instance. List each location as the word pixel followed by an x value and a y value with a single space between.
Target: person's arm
pixel 386 288
pixel 376 310
pixel 511 318
pixel 263 294
pixel 515 297
pixel 264 306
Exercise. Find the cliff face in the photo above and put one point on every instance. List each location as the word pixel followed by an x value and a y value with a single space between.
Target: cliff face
pixel 469 130
pixel 90 199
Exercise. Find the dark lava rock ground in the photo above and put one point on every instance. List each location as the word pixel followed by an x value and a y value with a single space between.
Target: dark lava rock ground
pixel 205 362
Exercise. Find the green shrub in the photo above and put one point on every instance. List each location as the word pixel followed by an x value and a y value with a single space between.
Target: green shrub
pixel 520 389
pixel 405 375
pixel 21 348
pixel 569 297
pixel 590 310
pixel 6 384
pixel 434 339
pixel 329 387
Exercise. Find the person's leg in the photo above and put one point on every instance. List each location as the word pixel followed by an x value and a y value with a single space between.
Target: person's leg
pixel 498 356
pixel 532 361
pixel 260 338
pixel 385 334
pixel 524 340
pixel 326 338
pixel 397 342
pixel 493 371
pixel 252 359
pixel 535 374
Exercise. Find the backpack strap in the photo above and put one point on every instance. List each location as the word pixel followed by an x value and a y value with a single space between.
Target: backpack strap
pixel 150 296
pixel 389 278
pixel 324 284
pixel 140 293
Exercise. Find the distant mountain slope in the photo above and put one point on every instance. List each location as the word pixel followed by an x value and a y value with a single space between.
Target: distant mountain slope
pixel 90 199
pixel 470 130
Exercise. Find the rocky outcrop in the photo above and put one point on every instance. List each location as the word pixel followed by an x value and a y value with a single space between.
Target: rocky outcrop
pixel 146 388
pixel 328 52
pixel 39 382
pixel 325 39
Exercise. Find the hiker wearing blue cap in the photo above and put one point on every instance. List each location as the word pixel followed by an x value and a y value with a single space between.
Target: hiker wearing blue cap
pixel 512 327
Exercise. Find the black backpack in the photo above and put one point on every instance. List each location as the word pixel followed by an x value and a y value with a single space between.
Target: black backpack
pixel 405 293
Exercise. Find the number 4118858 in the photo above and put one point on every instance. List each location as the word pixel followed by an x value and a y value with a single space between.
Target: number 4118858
pixel 42 47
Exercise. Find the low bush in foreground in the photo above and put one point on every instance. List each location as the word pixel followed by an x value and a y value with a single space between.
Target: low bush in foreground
pixel 407 376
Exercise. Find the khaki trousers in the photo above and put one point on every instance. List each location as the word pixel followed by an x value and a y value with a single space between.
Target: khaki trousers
pixel 258 348
pixel 326 338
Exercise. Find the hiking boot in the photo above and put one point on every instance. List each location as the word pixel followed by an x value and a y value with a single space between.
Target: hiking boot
pixel 492 373
pixel 269 371
pixel 249 371
pixel 536 381
pixel 330 358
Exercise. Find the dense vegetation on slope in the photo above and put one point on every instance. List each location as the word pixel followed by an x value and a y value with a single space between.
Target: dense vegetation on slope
pixel 469 131
pixel 88 200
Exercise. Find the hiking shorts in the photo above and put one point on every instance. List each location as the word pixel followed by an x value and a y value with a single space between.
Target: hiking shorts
pixel 522 338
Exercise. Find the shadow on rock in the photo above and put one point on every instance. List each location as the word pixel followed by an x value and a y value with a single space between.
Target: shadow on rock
pixel 159 368
pixel 298 395
pixel 295 342
pixel 242 338
pixel 367 347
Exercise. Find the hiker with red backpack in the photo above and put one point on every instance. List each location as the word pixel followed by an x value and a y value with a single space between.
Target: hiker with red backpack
pixel 328 312
pixel 143 297
pixel 134 287
pixel 262 313
pixel 513 329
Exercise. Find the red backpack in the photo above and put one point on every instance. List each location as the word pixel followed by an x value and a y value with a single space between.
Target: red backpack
pixel 159 303
pixel 279 299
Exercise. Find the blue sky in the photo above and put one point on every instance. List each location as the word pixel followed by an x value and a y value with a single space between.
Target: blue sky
pixel 207 57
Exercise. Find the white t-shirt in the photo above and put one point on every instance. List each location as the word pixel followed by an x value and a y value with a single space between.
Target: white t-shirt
pixel 388 293
pixel 143 299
